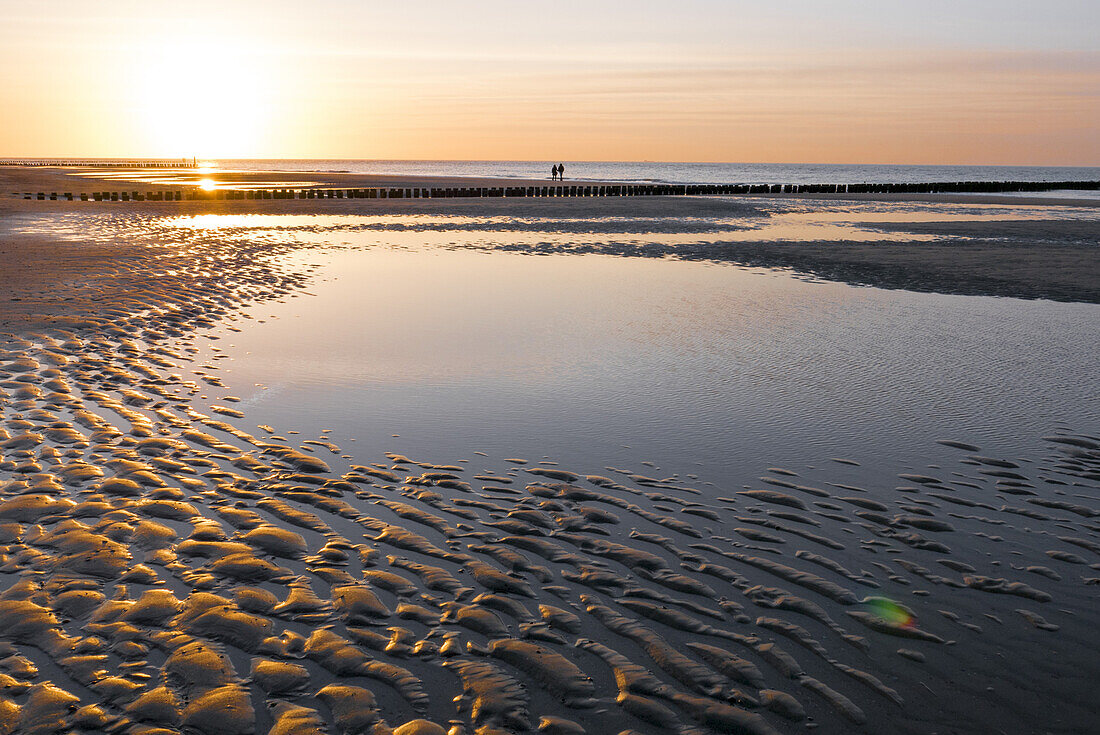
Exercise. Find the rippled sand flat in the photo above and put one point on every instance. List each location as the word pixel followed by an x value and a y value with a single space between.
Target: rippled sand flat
pixel 169 566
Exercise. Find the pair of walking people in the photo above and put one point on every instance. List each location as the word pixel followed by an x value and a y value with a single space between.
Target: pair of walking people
pixel 558 172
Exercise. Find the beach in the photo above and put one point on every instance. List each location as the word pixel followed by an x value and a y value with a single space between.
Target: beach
pixel 688 464
pixel 1051 258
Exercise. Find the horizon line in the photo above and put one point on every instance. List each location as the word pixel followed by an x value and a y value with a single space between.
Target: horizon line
pixel 546 160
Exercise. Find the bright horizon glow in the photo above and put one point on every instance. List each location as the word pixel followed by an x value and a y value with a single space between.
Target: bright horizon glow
pixel 212 104
pixel 980 82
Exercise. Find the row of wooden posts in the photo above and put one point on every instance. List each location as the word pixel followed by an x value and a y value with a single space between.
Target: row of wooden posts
pixel 561 191
pixel 178 163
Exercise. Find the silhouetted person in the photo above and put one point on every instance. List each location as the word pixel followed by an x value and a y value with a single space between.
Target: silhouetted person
pixel 561 171
pixel 553 173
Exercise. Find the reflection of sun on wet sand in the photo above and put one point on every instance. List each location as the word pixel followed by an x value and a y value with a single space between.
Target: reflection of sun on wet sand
pixel 166 569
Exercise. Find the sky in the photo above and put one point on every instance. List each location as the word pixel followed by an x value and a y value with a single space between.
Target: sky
pixel 889 81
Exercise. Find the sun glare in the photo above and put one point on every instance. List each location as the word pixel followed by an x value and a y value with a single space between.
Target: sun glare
pixel 204 97
pixel 207 184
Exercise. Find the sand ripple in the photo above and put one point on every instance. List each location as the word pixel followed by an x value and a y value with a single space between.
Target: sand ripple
pixel 165 570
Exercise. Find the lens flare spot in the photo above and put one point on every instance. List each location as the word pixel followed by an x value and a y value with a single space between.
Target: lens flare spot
pixel 889 610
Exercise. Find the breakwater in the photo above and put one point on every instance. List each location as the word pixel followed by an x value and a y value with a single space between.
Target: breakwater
pixel 607 190
pixel 131 163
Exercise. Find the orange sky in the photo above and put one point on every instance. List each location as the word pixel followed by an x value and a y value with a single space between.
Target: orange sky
pixel 702 80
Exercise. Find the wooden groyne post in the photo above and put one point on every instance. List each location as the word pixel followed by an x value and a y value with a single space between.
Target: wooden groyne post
pixel 91 163
pixel 577 190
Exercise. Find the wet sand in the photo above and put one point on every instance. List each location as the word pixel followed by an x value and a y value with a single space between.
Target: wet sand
pixel 1052 259
pixel 168 566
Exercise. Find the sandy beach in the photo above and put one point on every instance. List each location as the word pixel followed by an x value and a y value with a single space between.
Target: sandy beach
pixel 171 565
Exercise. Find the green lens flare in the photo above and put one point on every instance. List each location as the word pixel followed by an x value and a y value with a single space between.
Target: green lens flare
pixel 889 610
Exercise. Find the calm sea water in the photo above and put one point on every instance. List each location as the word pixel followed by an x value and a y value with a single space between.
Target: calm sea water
pixel 682 173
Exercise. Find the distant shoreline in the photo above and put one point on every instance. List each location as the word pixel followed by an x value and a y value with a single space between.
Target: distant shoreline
pixel 640 172
pixel 47 183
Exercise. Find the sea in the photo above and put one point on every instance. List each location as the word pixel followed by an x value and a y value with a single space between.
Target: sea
pixel 677 173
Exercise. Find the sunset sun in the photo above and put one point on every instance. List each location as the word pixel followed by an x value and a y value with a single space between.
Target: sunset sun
pixel 205 97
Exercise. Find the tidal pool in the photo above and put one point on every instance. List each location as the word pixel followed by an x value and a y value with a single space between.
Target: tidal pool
pixel 457 346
